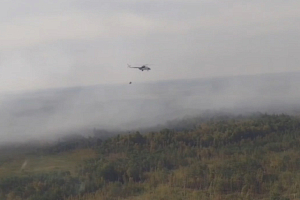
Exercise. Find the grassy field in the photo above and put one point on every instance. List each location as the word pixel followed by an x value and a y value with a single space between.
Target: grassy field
pixel 66 161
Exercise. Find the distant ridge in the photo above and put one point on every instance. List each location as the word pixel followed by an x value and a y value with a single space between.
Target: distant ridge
pixel 54 112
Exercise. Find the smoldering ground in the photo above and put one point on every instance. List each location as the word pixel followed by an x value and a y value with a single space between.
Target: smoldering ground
pixel 51 113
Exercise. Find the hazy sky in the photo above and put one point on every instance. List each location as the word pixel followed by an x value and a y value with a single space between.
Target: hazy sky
pixel 63 43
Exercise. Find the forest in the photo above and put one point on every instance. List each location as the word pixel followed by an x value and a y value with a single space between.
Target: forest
pixel 215 157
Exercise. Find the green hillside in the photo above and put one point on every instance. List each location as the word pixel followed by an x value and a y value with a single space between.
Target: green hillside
pixel 223 157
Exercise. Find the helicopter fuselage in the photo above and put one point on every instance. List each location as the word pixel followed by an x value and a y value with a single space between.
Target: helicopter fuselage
pixel 142 68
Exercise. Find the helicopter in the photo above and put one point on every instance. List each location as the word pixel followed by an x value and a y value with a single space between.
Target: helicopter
pixel 142 68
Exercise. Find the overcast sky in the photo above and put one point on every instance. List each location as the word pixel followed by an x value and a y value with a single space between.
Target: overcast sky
pixel 60 43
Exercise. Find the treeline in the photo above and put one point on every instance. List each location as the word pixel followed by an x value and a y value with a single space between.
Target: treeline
pixel 223 157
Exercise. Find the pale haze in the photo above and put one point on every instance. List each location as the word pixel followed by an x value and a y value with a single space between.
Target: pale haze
pixel 63 64
pixel 46 44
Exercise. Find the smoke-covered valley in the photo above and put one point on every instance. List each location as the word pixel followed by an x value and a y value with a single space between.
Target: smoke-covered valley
pixel 36 115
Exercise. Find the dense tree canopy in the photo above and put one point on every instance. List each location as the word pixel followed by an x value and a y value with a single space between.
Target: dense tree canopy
pixel 223 157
